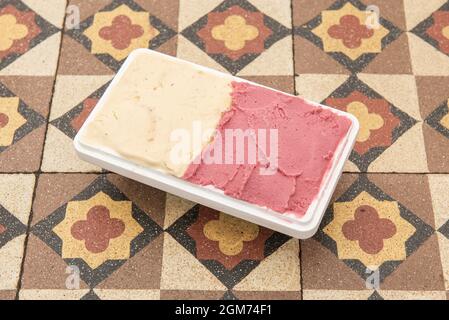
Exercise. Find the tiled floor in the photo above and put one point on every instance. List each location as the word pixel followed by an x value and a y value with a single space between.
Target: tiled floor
pixel 388 224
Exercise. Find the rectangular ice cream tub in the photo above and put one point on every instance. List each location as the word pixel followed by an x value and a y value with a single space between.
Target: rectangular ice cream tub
pixel 227 143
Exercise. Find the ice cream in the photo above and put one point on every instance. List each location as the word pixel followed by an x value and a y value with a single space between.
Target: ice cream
pixel 177 118
pixel 153 99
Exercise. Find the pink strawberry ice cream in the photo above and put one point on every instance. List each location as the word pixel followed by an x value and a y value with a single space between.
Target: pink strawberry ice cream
pixel 307 139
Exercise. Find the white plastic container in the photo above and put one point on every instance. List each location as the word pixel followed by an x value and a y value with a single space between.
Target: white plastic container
pixel 304 227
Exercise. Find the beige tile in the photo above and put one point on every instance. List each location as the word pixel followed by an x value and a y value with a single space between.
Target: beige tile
pixel 182 271
pixel 71 90
pixel 443 243
pixel 11 255
pixel 175 207
pixel 188 51
pixel 60 156
pixel 105 294
pixel 45 294
pixel 399 89
pixel 276 61
pixel 278 272
pixel 439 186
pixel 192 10
pixel 415 15
pixel 421 67
pixel 39 61
pixel 336 294
pixel 51 10
pixel 317 87
pixel 350 167
pixel 13 185
pixel 280 10
pixel 412 295
pixel 407 154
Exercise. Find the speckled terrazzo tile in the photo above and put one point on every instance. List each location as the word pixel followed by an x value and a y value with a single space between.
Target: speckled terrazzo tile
pixel 182 263
pixel 412 295
pixel 434 99
pixel 104 294
pixel 29 33
pixel 390 139
pixel 325 37
pixel 14 213
pixel 261 46
pixel 432 29
pixel 269 262
pixel 229 267
pixel 148 24
pixel 21 134
pixel 401 247
pixel 279 272
pixel 281 83
pixel 337 294
pixel 192 294
pixel 268 295
pixel 27 68
pixel 73 100
pixel 52 294
pixel 7 294
pixel 60 237
pixel 439 185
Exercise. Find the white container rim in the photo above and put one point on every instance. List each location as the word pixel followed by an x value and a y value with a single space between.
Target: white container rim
pixel 303 227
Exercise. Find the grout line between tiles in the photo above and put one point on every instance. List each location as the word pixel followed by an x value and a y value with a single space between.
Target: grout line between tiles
pixel 293 47
pixel 296 93
pixel 38 172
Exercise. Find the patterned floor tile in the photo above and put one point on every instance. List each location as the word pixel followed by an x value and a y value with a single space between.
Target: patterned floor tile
pixel 268 295
pixel 433 29
pixel 26 30
pixel 14 213
pixel 127 294
pixel 412 295
pixel 52 294
pixel 337 294
pixel 414 17
pixel 121 26
pixel 381 123
pixel 102 236
pixel 192 294
pixel 21 133
pixel 28 56
pixel 71 122
pixel 282 83
pixel 375 233
pixel 278 273
pixel 241 255
pixel 438 187
pixel 419 49
pixel 184 276
pixel 345 31
pixel 94 231
pixel 434 97
pixel 74 98
pixel 238 37
pixel 437 140
pixel 373 295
